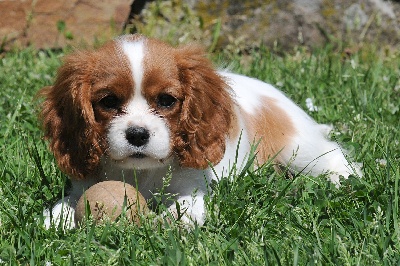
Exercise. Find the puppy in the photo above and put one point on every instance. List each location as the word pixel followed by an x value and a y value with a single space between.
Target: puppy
pixel 138 109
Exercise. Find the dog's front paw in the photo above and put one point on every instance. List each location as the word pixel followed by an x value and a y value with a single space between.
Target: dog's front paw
pixel 61 215
pixel 188 210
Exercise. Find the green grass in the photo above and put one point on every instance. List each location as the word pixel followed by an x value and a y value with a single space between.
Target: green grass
pixel 257 217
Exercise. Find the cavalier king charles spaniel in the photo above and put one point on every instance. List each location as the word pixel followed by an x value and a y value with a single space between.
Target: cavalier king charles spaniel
pixel 137 110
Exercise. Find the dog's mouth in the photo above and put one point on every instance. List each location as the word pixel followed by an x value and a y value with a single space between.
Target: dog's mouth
pixel 141 161
pixel 138 155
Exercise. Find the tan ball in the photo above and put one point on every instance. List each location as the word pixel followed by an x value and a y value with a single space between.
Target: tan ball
pixel 106 201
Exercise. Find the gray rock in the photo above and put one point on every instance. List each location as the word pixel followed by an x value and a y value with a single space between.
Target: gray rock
pixel 285 23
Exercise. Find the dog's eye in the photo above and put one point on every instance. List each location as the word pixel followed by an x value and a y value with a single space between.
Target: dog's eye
pixel 165 100
pixel 110 102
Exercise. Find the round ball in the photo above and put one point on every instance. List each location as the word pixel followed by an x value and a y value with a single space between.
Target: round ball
pixel 106 201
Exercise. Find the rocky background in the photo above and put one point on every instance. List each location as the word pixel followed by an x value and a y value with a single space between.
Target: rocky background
pixel 235 25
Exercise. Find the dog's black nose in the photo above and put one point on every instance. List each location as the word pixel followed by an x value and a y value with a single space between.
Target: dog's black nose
pixel 137 136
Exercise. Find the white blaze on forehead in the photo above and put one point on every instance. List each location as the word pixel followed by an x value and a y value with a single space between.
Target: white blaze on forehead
pixel 134 51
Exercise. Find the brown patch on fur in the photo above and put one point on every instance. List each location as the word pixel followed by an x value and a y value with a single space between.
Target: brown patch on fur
pixel 73 119
pixel 160 73
pixel 272 127
pixel 234 130
pixel 201 118
pixel 206 112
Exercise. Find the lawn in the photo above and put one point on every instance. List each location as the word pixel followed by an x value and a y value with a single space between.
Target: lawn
pixel 255 217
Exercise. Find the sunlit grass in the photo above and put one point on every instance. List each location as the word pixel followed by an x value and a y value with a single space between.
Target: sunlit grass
pixel 254 217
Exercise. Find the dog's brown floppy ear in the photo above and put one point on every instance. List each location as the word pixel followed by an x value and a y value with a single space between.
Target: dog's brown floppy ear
pixel 206 110
pixel 68 120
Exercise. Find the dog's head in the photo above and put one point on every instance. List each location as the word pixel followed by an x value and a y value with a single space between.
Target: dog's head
pixel 138 102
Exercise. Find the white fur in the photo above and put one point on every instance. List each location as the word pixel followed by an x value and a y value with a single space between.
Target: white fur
pixel 138 113
pixel 134 52
pixel 309 150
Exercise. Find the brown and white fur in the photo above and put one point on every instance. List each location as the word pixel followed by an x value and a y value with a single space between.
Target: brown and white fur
pixel 137 107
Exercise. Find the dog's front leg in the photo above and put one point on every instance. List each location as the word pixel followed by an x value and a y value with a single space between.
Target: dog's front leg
pixel 61 214
pixel 189 209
